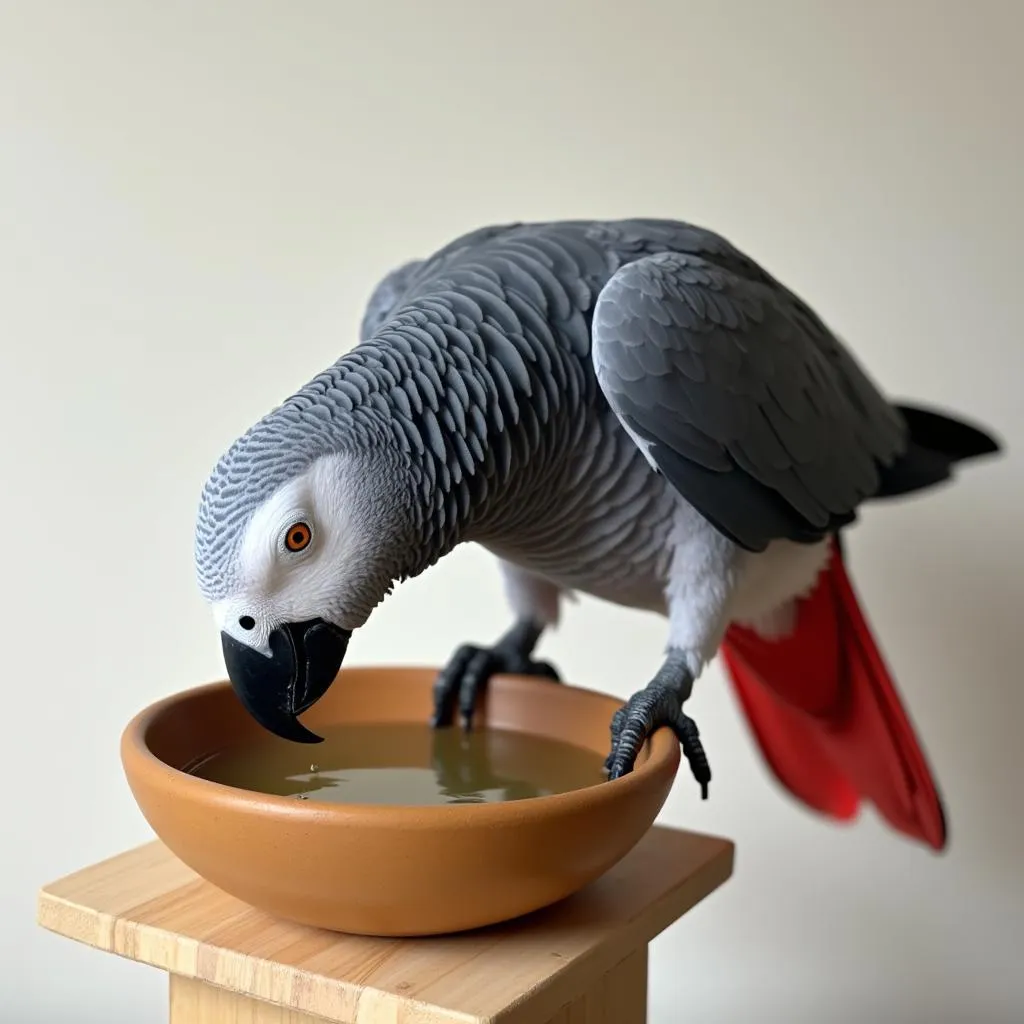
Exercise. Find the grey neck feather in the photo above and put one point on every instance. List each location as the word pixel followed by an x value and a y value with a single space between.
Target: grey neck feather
pixel 468 395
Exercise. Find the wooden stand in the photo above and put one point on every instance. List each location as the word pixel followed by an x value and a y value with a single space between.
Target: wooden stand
pixel 583 961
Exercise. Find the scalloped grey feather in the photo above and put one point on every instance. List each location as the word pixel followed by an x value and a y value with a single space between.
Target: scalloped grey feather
pixel 477 363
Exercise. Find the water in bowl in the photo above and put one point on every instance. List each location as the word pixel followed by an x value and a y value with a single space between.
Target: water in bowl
pixel 407 764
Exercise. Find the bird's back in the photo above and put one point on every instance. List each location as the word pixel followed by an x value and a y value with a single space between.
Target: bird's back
pixel 588 511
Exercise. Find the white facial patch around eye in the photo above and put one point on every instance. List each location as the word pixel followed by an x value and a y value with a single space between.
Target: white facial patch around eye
pixel 331 575
pixel 264 538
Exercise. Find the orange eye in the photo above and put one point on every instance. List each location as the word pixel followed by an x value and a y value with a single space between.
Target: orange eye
pixel 298 537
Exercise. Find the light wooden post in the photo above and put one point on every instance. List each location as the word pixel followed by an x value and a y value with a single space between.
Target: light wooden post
pixel 583 961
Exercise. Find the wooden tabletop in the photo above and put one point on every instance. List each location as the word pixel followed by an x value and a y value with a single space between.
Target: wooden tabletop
pixel 147 906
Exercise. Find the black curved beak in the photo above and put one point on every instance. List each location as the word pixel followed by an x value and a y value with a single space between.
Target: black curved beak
pixel 304 661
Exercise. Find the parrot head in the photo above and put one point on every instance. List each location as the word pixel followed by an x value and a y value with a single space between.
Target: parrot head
pixel 296 542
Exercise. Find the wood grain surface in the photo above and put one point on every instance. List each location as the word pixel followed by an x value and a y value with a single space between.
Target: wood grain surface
pixel 146 905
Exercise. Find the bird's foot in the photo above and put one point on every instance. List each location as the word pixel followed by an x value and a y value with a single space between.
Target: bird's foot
pixel 464 678
pixel 659 704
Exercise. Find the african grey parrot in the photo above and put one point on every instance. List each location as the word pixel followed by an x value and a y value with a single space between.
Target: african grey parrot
pixel 632 409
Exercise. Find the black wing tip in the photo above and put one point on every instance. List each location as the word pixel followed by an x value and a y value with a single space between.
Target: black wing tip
pixel 949 435
pixel 745 511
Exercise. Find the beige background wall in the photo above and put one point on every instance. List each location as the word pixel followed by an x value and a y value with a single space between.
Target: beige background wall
pixel 193 195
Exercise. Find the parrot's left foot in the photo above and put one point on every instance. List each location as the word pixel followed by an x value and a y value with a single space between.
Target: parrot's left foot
pixel 463 679
pixel 659 704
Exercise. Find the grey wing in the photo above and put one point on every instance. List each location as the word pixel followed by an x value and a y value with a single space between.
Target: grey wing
pixel 386 297
pixel 741 397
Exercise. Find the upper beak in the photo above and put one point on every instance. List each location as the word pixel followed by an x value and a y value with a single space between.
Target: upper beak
pixel 275 690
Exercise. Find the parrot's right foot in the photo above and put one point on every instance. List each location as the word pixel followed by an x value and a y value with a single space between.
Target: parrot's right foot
pixel 466 675
pixel 659 704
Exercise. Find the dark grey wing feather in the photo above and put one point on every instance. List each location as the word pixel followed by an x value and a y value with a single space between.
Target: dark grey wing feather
pixel 386 297
pixel 741 397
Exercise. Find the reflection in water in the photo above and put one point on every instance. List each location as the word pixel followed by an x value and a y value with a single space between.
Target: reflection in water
pixel 407 763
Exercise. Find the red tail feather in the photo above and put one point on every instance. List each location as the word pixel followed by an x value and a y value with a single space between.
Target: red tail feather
pixel 828 717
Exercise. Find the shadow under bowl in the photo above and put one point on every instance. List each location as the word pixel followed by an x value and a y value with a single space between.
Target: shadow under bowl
pixel 392 870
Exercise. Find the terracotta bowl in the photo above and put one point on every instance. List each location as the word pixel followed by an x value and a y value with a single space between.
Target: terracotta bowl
pixel 386 870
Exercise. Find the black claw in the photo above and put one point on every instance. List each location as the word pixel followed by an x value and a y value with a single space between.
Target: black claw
pixel 617 723
pixel 657 705
pixel 475 674
pixel 448 685
pixel 461 682
pixel 546 669
pixel 693 749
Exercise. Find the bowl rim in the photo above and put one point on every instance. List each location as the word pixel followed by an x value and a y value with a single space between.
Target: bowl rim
pixel 140 763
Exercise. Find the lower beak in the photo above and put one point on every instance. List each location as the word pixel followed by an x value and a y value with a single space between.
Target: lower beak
pixel 304 660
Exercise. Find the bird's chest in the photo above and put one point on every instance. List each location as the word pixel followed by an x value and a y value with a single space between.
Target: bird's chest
pixel 602 525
